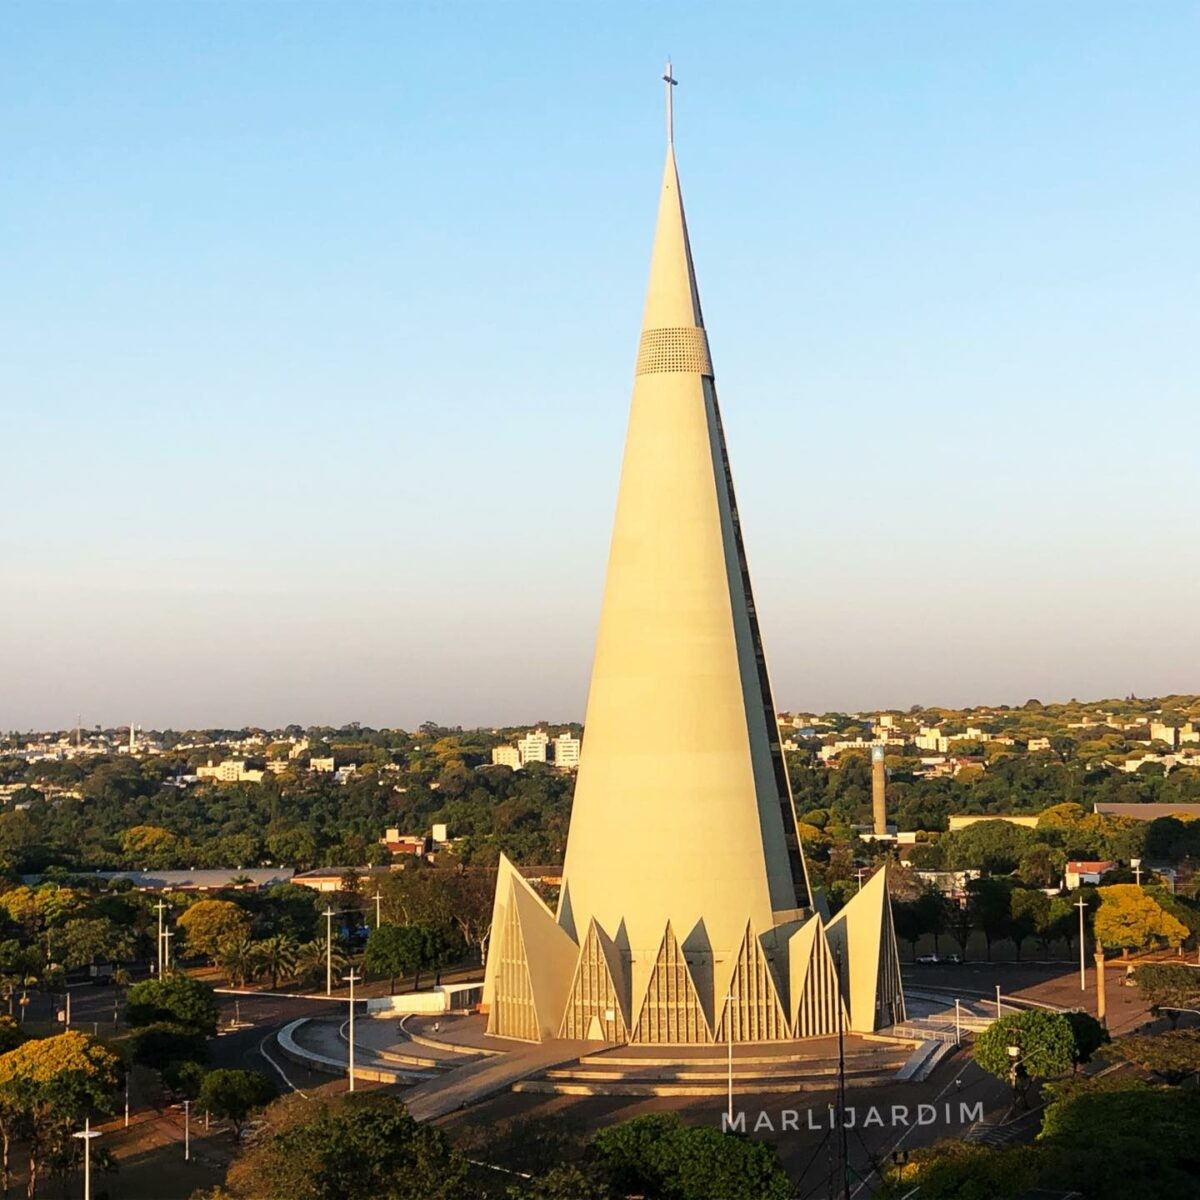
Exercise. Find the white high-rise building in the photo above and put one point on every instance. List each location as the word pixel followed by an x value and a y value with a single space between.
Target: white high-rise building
pixel 506 756
pixel 566 751
pixel 533 747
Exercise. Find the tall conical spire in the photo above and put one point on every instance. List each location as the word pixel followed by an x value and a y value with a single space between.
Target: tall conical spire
pixel 684 889
pixel 682 810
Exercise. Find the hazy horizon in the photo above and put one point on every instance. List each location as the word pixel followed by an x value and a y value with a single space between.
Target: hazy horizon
pixel 318 327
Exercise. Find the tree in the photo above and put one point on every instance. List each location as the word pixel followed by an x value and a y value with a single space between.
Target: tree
pixel 989 901
pixel 992 846
pixel 47 1087
pixel 313 959
pixel 1169 986
pixel 176 998
pixel 233 1095
pixel 1029 910
pixel 1087 1035
pixel 274 957
pixel 1046 1042
pixel 570 1182
pixel 211 925
pixel 1173 1056
pixel 163 1045
pixel 1041 866
pixel 1121 1136
pixel 84 941
pixel 11 1034
pixel 150 847
pixel 355 1147
pixel 236 959
pixel 1129 919
pixel 395 950
pixel 658 1155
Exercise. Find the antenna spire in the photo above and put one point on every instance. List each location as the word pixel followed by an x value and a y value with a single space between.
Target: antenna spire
pixel 671 83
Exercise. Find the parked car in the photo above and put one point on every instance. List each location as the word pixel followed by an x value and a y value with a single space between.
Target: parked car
pixel 929 959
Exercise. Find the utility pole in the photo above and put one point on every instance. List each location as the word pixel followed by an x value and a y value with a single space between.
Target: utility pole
pixel 378 898
pixel 1082 906
pixel 999 1010
pixel 843 1180
pixel 85 1135
pixel 159 908
pixel 352 979
pixel 187 1131
pixel 729 1028
pixel 1100 996
pixel 958 1022
pixel 167 936
pixel 328 950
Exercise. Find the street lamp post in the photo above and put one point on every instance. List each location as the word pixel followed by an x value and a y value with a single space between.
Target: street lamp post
pixel 352 979
pixel 159 908
pixel 187 1131
pixel 166 957
pixel 1016 1070
pixel 958 1022
pixel 999 1010
pixel 85 1135
pixel 328 950
pixel 1082 906
pixel 378 917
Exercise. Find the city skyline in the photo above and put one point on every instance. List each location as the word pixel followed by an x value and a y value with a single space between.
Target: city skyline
pixel 321 372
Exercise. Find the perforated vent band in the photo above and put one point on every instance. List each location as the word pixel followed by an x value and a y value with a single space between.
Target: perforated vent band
pixel 680 348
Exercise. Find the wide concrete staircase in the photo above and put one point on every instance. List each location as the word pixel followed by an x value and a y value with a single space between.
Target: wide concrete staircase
pixel 631 1071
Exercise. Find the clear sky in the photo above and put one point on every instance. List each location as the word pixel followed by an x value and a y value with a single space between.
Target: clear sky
pixel 317 328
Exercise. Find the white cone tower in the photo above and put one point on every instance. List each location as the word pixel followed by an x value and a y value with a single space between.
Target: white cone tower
pixel 684 878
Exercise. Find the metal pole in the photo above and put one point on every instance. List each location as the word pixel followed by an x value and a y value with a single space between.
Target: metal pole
pixel 957 1022
pixel 166 958
pixel 68 994
pixel 328 950
pixel 352 979
pixel 729 1028
pixel 378 898
pixel 1079 904
pixel 86 1134
pixel 127 1100
pixel 187 1131
pixel 999 1010
pixel 160 906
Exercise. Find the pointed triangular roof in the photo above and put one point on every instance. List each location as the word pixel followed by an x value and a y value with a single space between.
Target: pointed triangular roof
pixel 814 989
pixel 599 991
pixel 864 935
pixel 670 1011
pixel 681 801
pixel 751 1001
pixel 529 968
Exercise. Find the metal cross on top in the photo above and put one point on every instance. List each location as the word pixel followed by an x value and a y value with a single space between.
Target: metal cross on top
pixel 671 83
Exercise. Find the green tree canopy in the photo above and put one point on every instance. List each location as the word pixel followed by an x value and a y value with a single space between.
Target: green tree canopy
pixel 658 1155
pixel 176 999
pixel 1046 1041
pixel 234 1095
pixel 356 1147
pixel 1130 919
pixel 211 925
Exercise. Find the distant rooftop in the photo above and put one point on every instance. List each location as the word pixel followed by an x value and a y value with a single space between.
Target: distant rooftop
pixel 201 881
pixel 1147 812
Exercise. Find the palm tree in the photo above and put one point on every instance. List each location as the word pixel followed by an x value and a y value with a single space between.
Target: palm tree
pixel 311 961
pixel 237 959
pixel 274 957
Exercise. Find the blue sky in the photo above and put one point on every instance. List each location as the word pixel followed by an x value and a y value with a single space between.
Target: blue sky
pixel 317 324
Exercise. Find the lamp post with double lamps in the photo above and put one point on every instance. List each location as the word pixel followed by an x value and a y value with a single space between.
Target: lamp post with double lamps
pixel 85 1135
pixel 351 979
